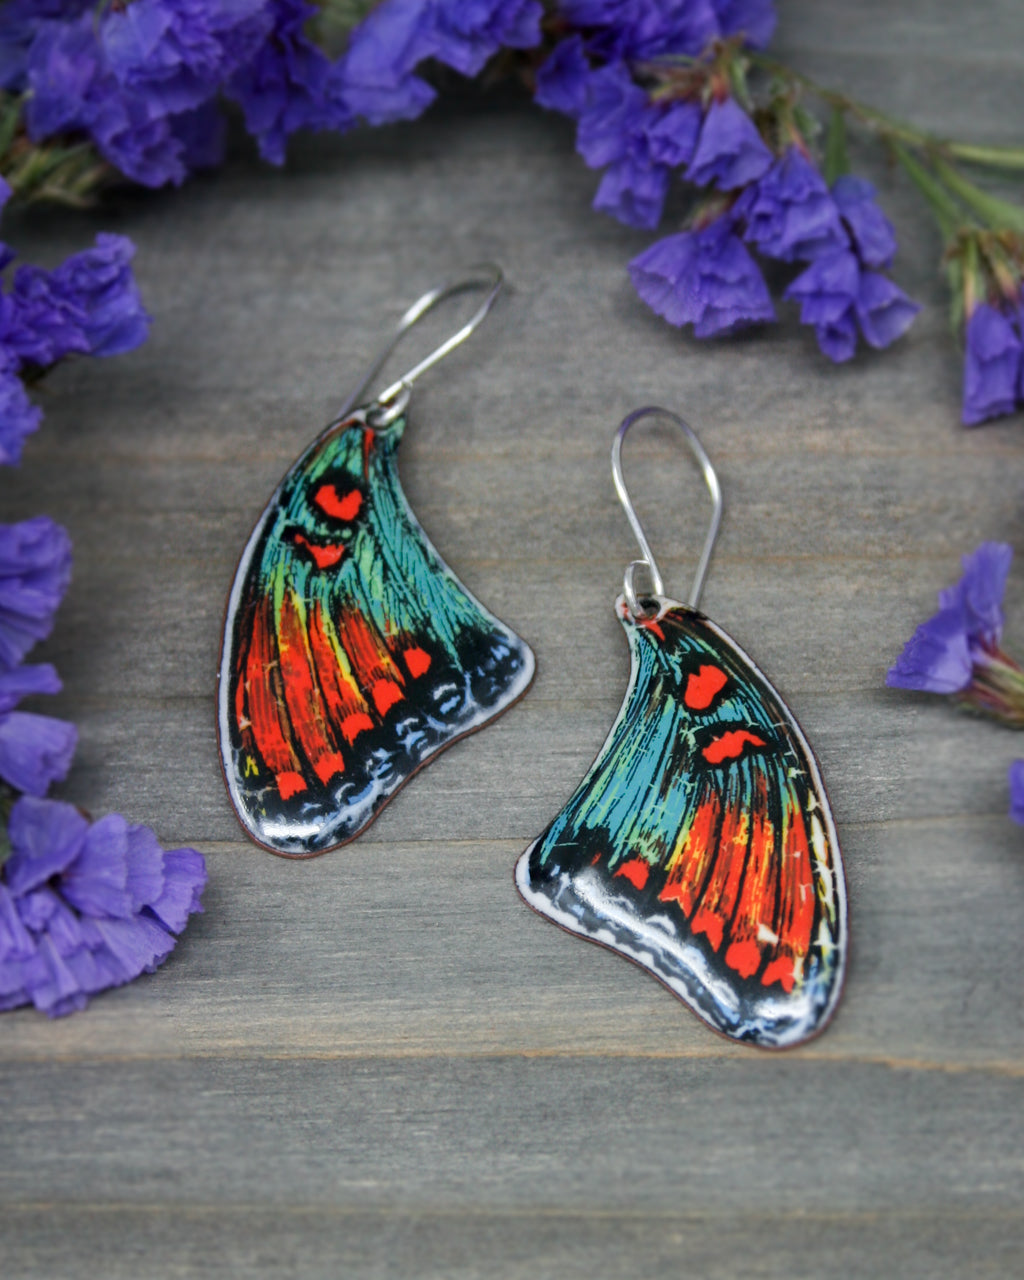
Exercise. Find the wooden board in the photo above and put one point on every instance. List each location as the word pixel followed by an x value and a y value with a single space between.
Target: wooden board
pixel 380 1063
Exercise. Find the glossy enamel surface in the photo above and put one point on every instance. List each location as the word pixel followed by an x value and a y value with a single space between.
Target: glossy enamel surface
pixel 352 654
pixel 700 844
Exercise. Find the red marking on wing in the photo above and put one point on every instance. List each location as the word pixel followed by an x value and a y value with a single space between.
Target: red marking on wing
pixel 417 660
pixel 719 898
pixel 366 650
pixel 267 719
pixel 757 899
pixel 342 698
pixel 796 902
pixel 385 694
pixel 355 724
pixel 636 871
pixel 730 745
pixel 780 970
pixel 689 863
pixel 652 624
pixel 341 508
pixel 744 957
pixel 703 687
pixel 327 766
pixel 324 556
pixel 368 441
pixel 290 784
pixel 303 698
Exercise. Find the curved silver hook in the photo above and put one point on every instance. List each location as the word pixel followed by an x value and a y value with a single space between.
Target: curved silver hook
pixel 648 561
pixel 393 399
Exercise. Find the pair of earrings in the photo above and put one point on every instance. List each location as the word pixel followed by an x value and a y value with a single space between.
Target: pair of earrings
pixel 699 844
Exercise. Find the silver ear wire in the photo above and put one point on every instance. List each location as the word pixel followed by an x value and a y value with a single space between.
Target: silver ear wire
pixel 647 561
pixel 392 401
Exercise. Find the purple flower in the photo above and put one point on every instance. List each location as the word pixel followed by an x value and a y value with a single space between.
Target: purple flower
pixel 729 152
pixel 704 278
pixel 35 568
pixel 633 192
pixel 20 21
pixel 19 417
pixel 754 18
pixel 90 303
pixel 99 284
pixel 34 750
pixel 376 72
pixel 174 54
pixel 38 325
pixel 562 80
pixel 200 136
pixel 466 33
pixel 72 87
pixel 671 133
pixel 289 85
pixel 836 295
pixel 1016 780
pixel 872 233
pixel 641 29
pixel 994 366
pixel 83 908
pixel 143 147
pixel 64 71
pixel 376 69
pixel 612 130
pixel 790 213
pixel 943 653
pixel 612 116
pixel 638 141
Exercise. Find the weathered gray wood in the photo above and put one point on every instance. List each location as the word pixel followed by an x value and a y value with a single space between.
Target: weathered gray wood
pixel 381 1063
pixel 279 1240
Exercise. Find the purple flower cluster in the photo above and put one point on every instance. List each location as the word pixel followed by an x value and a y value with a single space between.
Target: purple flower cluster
pixel 376 75
pixel 780 206
pixel 81 908
pixel 89 305
pixel 86 907
pixel 644 29
pixel 144 81
pixel 944 652
pixel 958 651
pixel 994 362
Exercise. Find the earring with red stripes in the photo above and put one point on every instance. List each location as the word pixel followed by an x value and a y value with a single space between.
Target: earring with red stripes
pixel 700 844
pixel 352 654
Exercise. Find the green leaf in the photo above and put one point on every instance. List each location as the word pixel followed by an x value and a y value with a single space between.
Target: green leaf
pixel 837 161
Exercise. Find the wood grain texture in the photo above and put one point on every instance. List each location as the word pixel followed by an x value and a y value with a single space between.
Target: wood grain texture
pixel 381 1063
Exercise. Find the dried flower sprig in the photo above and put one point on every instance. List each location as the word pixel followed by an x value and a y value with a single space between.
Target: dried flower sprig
pixel 82 907
pixel 958 651
pixel 660 89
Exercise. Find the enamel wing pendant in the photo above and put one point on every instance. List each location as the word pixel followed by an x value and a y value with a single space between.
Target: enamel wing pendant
pixel 700 844
pixel 352 654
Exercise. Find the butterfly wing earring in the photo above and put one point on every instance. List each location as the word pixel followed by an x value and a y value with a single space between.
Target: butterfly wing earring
pixel 700 844
pixel 352 654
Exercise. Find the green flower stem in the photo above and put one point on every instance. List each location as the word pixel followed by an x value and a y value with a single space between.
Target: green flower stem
pixel 896 130
pixel 998 214
pixel 991 157
pixel 948 214
pixel 997 690
pixel 837 161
